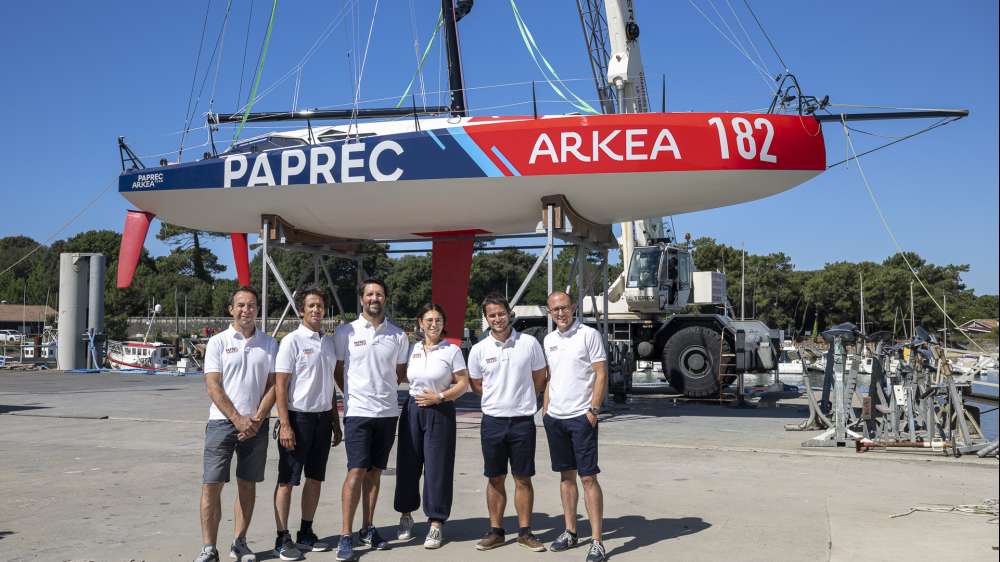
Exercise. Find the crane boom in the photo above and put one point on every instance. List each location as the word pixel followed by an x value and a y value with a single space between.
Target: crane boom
pixel 625 72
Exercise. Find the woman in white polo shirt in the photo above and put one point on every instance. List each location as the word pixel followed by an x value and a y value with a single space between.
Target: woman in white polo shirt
pixel 437 376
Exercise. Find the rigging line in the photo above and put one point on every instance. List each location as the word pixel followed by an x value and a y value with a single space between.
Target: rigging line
pixel 732 34
pixel 420 65
pixel 766 36
pixel 899 248
pixel 243 66
pixel 735 42
pixel 416 52
pixel 761 69
pixel 144 156
pixel 61 228
pixel 356 14
pixel 364 60
pixel 204 80
pixel 532 46
pixel 260 70
pixel 763 74
pixel 877 135
pixel 750 40
pixel 295 93
pixel 194 75
pixel 331 27
pixel 901 139
pixel 440 64
pixel 218 65
pixel 467 89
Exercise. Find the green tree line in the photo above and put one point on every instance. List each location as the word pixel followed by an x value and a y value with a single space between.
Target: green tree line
pixel 186 281
pixel 804 302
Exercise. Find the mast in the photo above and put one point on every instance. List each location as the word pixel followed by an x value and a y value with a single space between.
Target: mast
pixel 452 15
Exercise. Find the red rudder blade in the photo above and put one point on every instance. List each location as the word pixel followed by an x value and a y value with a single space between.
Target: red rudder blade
pixel 133 237
pixel 241 256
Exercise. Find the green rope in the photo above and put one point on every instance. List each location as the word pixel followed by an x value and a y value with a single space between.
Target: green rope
pixel 420 64
pixel 532 46
pixel 260 71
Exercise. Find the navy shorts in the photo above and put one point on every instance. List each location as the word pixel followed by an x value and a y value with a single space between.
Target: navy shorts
pixel 221 441
pixel 369 441
pixel 572 444
pixel 313 438
pixel 508 440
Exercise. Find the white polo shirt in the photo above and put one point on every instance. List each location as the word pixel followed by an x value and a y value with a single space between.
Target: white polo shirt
pixel 571 356
pixel 433 368
pixel 244 364
pixel 309 357
pixel 370 356
pixel 505 368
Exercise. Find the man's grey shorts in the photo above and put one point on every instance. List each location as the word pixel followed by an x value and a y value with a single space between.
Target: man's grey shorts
pixel 221 441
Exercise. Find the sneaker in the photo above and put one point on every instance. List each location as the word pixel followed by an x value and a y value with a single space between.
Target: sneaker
pixel 531 542
pixel 565 541
pixel 435 536
pixel 370 537
pixel 405 528
pixel 285 548
pixel 597 553
pixel 345 548
pixel 490 541
pixel 307 540
pixel 208 554
pixel 240 551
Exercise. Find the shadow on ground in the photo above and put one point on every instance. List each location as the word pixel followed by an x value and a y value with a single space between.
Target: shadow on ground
pixel 6 409
pixel 636 530
pixel 666 406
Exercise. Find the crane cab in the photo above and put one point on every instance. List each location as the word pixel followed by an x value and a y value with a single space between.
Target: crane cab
pixel 659 278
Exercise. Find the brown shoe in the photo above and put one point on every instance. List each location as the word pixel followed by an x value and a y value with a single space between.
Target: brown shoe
pixel 531 543
pixel 490 541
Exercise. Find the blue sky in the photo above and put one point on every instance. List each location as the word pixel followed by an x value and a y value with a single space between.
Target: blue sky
pixel 79 74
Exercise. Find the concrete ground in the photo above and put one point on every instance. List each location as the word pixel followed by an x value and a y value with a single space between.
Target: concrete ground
pixel 107 467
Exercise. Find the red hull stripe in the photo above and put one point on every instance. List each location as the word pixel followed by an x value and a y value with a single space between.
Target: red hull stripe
pixel 653 143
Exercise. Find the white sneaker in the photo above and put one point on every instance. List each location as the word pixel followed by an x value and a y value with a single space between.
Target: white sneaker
pixel 405 528
pixel 434 538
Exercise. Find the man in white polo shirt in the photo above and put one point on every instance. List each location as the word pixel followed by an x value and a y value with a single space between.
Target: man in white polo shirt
pixel 508 370
pixel 371 362
pixel 308 421
pixel 239 374
pixel 578 376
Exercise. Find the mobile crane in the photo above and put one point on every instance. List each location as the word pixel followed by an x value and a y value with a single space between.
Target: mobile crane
pixel 649 304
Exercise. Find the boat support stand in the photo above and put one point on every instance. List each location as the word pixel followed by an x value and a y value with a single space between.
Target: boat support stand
pixel 838 435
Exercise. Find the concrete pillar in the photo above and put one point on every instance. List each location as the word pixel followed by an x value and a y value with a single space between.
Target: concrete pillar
pixel 95 312
pixel 74 279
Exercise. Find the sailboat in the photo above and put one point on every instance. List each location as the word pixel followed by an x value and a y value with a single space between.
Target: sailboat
pixel 449 179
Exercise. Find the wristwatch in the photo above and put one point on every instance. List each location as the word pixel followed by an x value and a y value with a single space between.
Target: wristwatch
pixel 441 397
pixel 594 411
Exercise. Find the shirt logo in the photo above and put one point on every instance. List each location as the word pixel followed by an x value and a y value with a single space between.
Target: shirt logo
pixel 490 360
pixel 417 355
pixel 232 349
pixel 360 343
pixel 308 351
pixel 554 348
